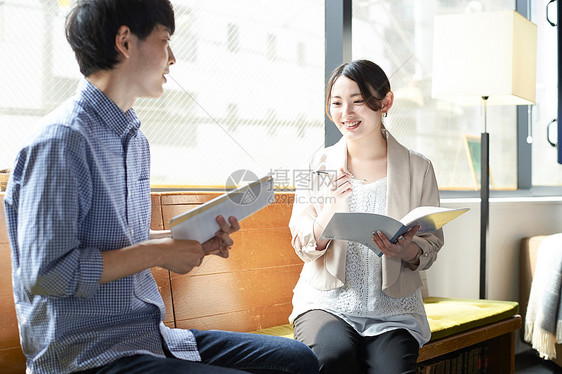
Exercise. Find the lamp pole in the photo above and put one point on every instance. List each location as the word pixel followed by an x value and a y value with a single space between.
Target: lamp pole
pixel 484 198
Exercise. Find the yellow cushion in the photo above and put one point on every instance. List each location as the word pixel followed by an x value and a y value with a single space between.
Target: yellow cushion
pixel 285 331
pixel 446 316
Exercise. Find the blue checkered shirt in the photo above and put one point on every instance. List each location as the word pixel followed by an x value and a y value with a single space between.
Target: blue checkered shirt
pixel 80 187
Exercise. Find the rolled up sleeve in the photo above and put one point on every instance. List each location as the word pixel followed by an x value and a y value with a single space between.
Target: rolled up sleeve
pixel 52 182
pixel 302 224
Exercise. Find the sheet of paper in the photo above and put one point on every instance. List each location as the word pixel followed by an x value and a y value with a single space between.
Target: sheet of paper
pixel 200 223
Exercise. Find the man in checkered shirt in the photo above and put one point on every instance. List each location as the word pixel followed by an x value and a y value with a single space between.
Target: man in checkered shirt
pixel 78 213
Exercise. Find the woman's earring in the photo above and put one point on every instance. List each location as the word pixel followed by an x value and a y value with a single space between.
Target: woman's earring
pixel 385 114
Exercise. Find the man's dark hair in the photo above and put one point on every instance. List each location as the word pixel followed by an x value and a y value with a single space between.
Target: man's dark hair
pixel 371 79
pixel 91 27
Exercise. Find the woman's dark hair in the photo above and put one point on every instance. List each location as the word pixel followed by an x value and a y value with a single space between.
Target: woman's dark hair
pixel 91 27
pixel 371 79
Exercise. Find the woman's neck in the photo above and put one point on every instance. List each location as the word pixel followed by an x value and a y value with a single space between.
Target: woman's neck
pixel 366 159
pixel 372 148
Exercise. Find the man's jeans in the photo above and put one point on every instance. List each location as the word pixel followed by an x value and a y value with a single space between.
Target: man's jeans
pixel 225 352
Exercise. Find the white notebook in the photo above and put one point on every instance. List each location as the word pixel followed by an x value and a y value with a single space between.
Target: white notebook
pixel 200 223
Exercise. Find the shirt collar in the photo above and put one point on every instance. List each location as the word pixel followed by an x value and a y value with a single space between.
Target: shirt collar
pixel 113 117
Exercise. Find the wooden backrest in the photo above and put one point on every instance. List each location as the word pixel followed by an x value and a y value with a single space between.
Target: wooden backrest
pixel 250 290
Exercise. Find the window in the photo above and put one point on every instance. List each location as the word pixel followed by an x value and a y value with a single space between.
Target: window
pixel 33 74
pixel 185 39
pixel 301 54
pixel 271 47
pixel 398 35
pixel 2 31
pixel 232 38
pixel 247 90
pixel 225 107
pixel 546 171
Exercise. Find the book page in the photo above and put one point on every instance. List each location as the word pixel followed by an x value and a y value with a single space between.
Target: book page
pixel 430 218
pixel 359 227
pixel 200 223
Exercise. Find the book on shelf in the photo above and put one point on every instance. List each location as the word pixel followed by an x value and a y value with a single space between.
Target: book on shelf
pixel 465 361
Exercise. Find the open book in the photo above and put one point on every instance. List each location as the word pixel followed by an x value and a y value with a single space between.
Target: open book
pixel 200 223
pixel 359 227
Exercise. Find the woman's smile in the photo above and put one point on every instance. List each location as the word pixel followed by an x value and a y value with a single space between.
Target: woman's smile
pixel 351 125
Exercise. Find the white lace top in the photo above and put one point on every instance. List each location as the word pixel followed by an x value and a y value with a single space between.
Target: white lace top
pixel 361 301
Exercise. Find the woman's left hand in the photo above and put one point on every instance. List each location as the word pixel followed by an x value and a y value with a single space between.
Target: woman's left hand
pixel 404 248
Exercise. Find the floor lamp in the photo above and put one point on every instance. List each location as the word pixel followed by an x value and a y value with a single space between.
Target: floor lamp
pixel 485 58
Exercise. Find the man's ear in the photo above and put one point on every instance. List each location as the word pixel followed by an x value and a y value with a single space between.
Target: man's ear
pixel 123 41
pixel 387 102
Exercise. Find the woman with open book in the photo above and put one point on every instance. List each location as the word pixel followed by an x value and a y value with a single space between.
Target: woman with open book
pixel 359 312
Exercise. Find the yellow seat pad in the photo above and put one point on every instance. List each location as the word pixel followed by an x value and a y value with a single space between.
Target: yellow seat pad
pixel 285 331
pixel 449 316
pixel 446 316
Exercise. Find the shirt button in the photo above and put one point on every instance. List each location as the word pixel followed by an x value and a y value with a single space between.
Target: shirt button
pixel 132 232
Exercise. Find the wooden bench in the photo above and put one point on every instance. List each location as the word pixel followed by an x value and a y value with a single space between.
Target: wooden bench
pixel 252 290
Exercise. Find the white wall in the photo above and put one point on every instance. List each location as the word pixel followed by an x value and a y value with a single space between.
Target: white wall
pixel 456 272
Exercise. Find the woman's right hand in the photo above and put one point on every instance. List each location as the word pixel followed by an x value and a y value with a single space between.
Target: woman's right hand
pixel 343 185
pixel 338 191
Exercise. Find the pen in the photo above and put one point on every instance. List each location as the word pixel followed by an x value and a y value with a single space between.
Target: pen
pixel 319 172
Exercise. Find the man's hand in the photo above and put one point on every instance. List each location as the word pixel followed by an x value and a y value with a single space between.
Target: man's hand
pixel 180 256
pixel 221 243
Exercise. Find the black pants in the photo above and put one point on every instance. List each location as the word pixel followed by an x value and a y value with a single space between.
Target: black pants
pixel 340 349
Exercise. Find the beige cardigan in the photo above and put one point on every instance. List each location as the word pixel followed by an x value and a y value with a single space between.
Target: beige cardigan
pixel 411 183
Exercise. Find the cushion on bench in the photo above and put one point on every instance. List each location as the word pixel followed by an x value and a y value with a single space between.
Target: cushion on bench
pixel 285 331
pixel 446 316
pixel 449 316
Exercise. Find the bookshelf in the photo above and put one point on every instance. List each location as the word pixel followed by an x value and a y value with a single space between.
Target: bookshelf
pixel 495 341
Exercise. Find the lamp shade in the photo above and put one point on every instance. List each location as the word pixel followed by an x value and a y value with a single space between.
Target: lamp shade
pixel 484 54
